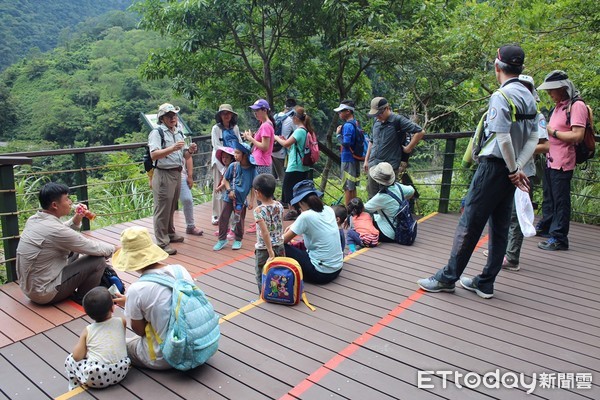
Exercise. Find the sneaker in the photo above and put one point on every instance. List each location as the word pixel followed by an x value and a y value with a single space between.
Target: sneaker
pixel 291 215
pixel 194 231
pixel 214 220
pixel 177 239
pixel 485 253
pixel 433 285
pixel 230 235
pixel 169 250
pixel 236 245
pixel 552 245
pixel 219 245
pixel 468 284
pixel 252 228
pixel 510 266
pixel 216 233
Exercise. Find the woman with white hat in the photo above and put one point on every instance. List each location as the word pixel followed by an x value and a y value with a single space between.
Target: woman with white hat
pixel 384 174
pixel 566 127
pixel 225 133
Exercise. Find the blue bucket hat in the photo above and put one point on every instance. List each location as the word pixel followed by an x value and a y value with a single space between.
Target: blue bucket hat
pixel 246 149
pixel 243 147
pixel 303 189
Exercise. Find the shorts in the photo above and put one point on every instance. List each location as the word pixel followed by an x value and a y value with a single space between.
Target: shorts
pixel 350 175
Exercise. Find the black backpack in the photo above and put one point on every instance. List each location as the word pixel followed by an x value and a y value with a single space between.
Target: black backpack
pixel 149 165
pixel 405 226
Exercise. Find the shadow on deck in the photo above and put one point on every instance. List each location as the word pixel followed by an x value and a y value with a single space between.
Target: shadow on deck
pixel 371 334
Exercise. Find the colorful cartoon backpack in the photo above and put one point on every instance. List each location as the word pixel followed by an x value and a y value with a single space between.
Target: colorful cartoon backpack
pixel 282 282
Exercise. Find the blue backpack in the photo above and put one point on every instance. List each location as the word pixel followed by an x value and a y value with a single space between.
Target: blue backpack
pixel 405 226
pixel 360 144
pixel 193 332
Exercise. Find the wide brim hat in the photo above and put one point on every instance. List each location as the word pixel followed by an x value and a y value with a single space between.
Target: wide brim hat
pixel 225 107
pixel 137 250
pixel 303 189
pixel 165 109
pixel 222 149
pixel 555 80
pixel 383 173
pixel 243 147
pixel 378 104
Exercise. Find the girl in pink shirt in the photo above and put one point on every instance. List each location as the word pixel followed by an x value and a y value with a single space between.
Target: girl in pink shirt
pixel 361 231
pixel 262 141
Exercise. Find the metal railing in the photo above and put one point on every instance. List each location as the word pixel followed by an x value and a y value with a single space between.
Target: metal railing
pixel 87 170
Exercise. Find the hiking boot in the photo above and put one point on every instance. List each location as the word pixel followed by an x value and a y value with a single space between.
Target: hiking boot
pixel 194 231
pixel 291 215
pixel 468 284
pixel 552 245
pixel 434 286
pixel 219 245
pixel 236 245
pixel 214 220
pixel 169 250
pixel 510 266
pixel 176 238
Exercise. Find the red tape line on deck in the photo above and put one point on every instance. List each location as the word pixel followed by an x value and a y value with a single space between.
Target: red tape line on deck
pixel 223 264
pixel 336 360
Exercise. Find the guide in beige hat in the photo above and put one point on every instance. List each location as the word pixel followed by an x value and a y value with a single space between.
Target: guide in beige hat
pixel 137 250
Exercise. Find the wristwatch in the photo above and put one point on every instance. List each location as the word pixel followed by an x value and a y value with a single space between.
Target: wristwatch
pixel 554 133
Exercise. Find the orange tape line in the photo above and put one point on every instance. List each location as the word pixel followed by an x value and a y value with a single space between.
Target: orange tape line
pixel 345 353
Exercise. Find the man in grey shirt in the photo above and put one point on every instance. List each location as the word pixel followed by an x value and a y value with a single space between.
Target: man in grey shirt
pixel 388 139
pixel 509 142
pixel 169 153
pixel 49 267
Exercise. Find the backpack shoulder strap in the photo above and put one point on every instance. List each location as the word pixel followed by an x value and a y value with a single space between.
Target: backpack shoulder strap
pixel 158 278
pixel 162 136
pixel 516 116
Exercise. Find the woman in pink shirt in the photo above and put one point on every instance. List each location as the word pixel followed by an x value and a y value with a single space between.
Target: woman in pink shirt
pixel 261 141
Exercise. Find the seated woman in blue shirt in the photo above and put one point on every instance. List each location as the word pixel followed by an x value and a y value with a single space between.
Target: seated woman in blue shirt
pixel 323 258
pixel 384 174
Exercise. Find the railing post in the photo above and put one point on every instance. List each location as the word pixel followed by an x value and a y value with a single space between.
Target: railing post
pixel 8 211
pixel 447 175
pixel 82 189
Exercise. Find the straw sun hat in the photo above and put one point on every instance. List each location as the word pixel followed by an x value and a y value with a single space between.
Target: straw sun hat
pixel 137 250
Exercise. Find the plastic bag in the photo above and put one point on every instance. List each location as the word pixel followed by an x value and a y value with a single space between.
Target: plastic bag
pixel 524 210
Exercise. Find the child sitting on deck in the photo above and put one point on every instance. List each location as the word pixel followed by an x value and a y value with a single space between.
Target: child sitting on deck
pixel 361 231
pixel 341 215
pixel 99 358
pixel 269 222
pixel 238 182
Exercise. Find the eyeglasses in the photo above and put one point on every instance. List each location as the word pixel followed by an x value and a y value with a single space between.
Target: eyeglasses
pixel 170 115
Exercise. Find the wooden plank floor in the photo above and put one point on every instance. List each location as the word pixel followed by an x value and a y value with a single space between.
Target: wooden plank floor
pixel 371 335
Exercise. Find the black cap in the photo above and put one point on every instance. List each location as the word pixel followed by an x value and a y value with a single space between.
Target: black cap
pixel 511 54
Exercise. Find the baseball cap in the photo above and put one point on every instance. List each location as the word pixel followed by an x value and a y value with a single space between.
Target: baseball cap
pixel 377 106
pixel 511 54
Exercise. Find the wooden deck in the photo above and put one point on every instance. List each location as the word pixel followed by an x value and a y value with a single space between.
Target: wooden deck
pixel 371 334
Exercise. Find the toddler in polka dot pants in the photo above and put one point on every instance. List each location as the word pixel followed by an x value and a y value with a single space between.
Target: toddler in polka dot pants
pixel 99 358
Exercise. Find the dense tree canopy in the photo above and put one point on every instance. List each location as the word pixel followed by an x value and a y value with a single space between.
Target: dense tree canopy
pixel 29 24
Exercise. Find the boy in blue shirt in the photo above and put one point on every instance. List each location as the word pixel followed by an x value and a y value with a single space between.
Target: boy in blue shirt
pixel 238 182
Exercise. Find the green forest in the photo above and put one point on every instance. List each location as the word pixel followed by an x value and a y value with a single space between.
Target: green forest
pixel 32 26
